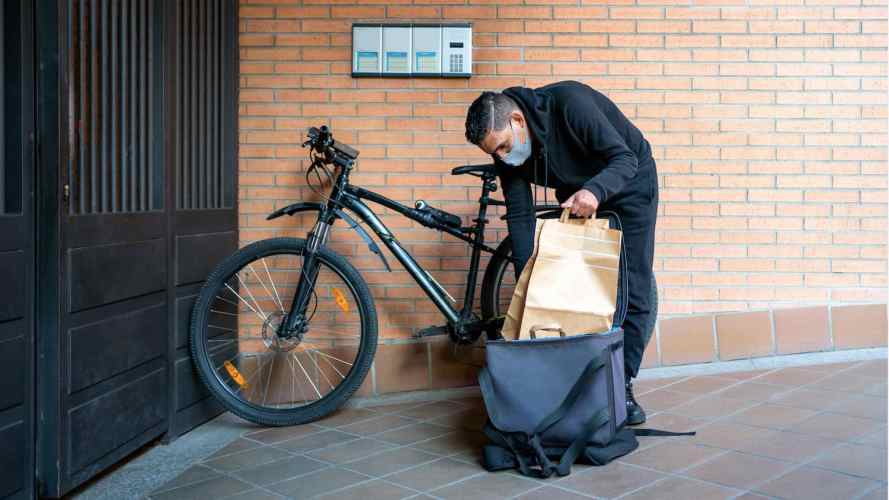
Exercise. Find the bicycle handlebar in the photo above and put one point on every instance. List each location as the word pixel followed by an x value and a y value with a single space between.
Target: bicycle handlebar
pixel 321 140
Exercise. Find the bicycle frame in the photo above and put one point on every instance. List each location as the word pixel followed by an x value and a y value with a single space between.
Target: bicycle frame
pixel 345 195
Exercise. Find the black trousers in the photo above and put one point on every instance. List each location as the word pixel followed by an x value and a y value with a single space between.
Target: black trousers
pixel 636 206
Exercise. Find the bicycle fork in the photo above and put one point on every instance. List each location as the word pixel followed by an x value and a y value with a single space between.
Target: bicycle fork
pixel 296 318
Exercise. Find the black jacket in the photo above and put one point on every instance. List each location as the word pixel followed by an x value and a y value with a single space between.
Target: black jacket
pixel 580 140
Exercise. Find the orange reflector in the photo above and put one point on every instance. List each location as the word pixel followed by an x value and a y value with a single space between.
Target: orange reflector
pixel 235 374
pixel 341 300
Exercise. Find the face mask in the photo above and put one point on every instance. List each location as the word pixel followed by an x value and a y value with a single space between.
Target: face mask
pixel 520 151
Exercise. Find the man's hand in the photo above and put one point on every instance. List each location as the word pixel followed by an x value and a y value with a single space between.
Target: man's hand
pixel 582 203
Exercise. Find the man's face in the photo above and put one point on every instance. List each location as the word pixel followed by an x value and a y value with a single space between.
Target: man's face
pixel 499 142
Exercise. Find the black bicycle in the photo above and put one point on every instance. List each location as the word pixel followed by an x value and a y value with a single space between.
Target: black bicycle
pixel 285 330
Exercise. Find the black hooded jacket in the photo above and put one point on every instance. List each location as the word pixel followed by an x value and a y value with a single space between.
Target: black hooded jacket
pixel 580 140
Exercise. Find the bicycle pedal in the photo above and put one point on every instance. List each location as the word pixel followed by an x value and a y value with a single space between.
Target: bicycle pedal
pixel 432 331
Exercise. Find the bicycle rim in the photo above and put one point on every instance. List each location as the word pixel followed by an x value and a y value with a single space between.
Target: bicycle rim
pixel 261 369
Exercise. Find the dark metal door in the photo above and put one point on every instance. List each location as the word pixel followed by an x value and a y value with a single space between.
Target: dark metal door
pixel 203 125
pixel 111 357
pixel 16 250
pixel 138 103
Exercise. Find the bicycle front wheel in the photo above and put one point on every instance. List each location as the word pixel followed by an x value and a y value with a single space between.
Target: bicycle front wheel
pixel 253 368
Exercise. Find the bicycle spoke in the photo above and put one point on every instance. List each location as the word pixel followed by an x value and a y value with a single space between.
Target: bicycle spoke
pixel 321 372
pixel 334 368
pixel 259 371
pixel 222 328
pixel 223 312
pixel 307 375
pixel 331 332
pixel 268 381
pixel 261 316
pixel 293 370
pixel 262 283
pixel 333 357
pixel 243 284
pixel 274 289
pixel 226 300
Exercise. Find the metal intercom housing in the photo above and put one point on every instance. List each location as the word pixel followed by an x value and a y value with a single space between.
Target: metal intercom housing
pixel 412 50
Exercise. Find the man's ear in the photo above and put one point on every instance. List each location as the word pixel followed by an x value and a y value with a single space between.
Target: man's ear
pixel 518 117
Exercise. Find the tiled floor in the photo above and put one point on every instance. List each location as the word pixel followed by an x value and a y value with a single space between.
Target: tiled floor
pixel 810 433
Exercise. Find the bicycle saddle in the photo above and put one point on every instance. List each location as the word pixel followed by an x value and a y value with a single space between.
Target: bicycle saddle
pixel 476 170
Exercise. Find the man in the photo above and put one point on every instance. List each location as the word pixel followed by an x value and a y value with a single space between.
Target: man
pixel 572 138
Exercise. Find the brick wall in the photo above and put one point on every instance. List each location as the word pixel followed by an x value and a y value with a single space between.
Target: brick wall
pixel 767 118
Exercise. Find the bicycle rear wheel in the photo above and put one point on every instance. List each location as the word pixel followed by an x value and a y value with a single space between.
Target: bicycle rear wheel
pixel 273 379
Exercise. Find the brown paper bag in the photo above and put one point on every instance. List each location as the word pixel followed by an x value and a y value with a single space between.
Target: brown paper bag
pixel 513 319
pixel 573 283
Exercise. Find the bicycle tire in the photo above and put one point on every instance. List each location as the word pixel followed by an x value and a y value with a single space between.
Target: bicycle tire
pixel 201 355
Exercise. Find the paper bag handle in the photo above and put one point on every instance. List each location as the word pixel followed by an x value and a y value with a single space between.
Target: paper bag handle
pixel 566 214
pixel 552 328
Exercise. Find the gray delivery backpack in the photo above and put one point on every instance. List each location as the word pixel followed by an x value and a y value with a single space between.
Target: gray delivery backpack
pixel 557 400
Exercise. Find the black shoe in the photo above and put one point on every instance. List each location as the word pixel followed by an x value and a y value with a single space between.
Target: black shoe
pixel 635 413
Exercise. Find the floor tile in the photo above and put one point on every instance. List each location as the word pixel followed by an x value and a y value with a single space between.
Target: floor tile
pixel 236 446
pixel 664 399
pixel 726 435
pixel 876 439
pixel 745 375
pixel 755 496
pixel 489 485
pixel 413 433
pixel 793 376
pixel 432 410
pixel 703 384
pixel 256 456
pixel 278 434
pixel 395 407
pixel 552 493
pixel 876 494
pixel 391 461
pixel 790 446
pixel 279 470
pixel 641 386
pixel 350 451
pixel 737 470
pixel 805 398
pixel 879 389
pixel 671 456
pixel 753 391
pixel 453 442
pixel 808 483
pixel 610 480
pixel 772 416
pixel 216 487
pixel 193 474
pixel 470 419
pixel 376 425
pixel 831 368
pixel 856 460
pixel 255 494
pixel 371 490
pixel 316 441
pixel 322 481
pixel 346 416
pixel 434 474
pixel 878 368
pixel 860 405
pixel 845 382
pixel 673 488
pixel 835 426
pixel 712 406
